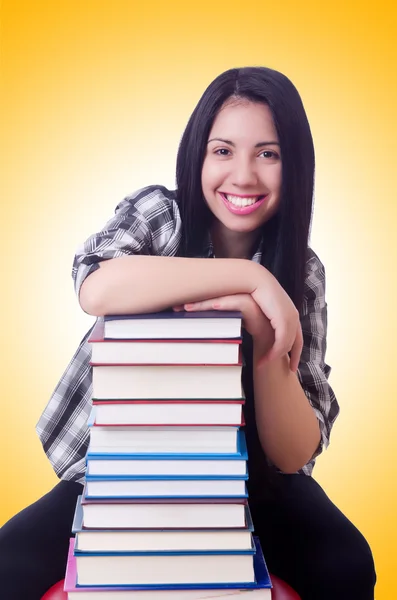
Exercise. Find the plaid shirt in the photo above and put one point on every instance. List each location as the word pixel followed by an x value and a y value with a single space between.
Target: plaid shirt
pixel 148 222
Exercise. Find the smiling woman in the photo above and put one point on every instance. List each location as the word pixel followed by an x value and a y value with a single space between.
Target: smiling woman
pixel 245 171
pixel 240 173
pixel 241 176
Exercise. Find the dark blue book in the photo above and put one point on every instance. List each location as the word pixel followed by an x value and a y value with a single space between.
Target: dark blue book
pixel 83 568
pixel 174 325
pixel 260 589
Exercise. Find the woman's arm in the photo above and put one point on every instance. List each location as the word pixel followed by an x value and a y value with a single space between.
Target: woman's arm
pixel 135 284
pixel 287 426
pixel 130 267
pixel 294 412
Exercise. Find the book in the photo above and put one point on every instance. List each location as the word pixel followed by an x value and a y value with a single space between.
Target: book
pixel 124 540
pixel 174 325
pixel 155 351
pixel 166 381
pixel 166 568
pixel 166 520
pixel 157 464
pixel 259 590
pixel 122 466
pixel 170 487
pixel 170 412
pixel 165 513
pixel 162 439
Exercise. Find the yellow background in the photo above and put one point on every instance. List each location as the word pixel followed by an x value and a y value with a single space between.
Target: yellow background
pixel 94 99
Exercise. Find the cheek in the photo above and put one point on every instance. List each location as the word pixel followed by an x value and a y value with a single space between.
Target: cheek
pixel 274 178
pixel 211 175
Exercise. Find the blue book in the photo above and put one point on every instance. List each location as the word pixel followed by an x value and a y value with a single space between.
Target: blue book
pixel 174 325
pixel 240 454
pixel 166 487
pixel 161 465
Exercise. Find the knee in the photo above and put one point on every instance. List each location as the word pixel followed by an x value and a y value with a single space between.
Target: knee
pixel 10 561
pixel 8 544
pixel 350 569
pixel 359 565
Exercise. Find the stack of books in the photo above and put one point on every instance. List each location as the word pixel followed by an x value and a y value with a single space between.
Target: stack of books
pixel 164 512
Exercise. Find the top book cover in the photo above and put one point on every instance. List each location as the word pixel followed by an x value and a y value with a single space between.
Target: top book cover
pixel 174 325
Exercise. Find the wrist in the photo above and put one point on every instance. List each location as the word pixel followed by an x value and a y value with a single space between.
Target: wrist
pixel 262 344
pixel 253 274
pixel 277 367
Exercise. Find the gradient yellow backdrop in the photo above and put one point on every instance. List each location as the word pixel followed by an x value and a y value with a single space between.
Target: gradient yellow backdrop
pixel 94 99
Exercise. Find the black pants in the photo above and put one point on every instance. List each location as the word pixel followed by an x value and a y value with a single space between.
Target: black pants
pixel 306 540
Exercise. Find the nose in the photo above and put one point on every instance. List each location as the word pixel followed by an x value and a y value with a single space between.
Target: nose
pixel 244 173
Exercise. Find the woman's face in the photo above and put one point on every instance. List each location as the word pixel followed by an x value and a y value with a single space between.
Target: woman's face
pixel 241 176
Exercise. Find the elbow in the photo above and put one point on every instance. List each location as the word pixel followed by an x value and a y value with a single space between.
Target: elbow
pixel 297 459
pixel 91 296
pixel 289 467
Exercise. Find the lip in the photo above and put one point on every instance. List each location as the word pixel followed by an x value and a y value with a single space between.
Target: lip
pixel 243 210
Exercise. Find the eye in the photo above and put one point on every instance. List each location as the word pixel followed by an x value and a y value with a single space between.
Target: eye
pixel 222 152
pixel 270 154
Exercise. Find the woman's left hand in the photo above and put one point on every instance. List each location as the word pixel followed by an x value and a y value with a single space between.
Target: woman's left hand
pixel 254 321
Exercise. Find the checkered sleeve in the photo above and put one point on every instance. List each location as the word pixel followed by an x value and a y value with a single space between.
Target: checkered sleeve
pixel 147 222
pixel 313 372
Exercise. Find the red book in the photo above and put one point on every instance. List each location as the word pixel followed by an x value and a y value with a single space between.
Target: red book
pixel 134 382
pixel 170 412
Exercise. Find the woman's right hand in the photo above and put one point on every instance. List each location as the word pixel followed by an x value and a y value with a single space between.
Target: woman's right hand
pixel 278 307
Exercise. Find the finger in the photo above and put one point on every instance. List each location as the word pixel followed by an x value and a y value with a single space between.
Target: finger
pixel 282 344
pixel 296 350
pixel 221 303
pixel 203 305
pixel 178 308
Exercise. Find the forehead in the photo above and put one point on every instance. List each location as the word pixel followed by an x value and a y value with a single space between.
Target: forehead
pixel 244 119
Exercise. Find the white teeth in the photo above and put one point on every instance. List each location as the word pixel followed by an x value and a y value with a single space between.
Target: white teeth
pixel 237 201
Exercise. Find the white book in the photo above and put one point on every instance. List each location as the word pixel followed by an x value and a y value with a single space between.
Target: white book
pixel 157 351
pixel 125 467
pixel 168 413
pixel 166 381
pixel 164 488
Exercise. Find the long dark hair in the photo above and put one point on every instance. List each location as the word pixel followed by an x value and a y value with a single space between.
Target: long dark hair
pixel 286 234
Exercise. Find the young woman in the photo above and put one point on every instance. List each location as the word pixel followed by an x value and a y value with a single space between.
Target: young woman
pixel 233 236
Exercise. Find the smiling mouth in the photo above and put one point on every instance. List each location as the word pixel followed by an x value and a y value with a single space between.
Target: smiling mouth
pixel 241 201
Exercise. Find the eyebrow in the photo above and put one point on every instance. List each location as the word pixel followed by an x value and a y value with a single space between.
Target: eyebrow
pixel 258 145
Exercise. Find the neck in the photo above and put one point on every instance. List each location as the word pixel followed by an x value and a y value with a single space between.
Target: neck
pixel 232 244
